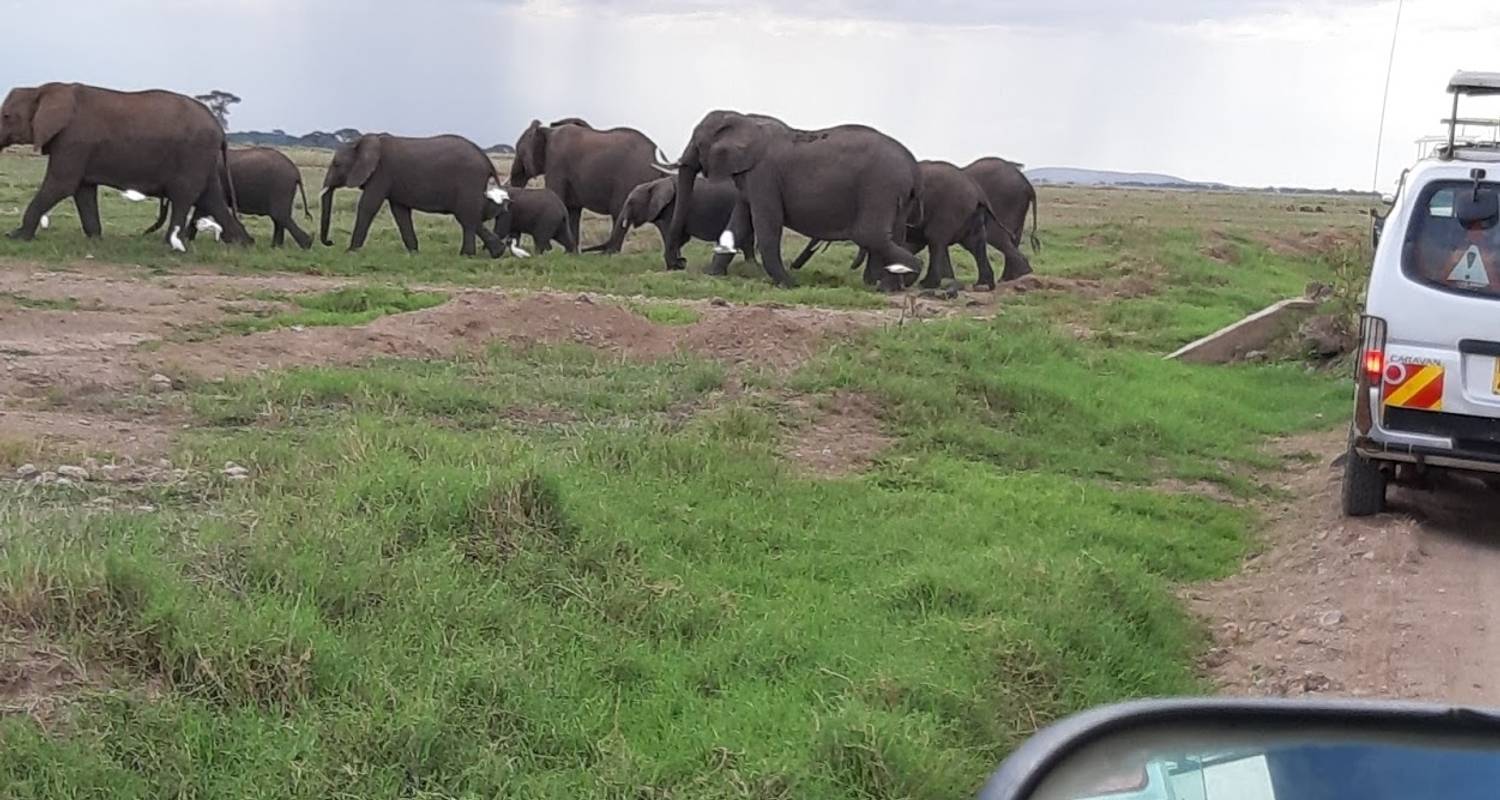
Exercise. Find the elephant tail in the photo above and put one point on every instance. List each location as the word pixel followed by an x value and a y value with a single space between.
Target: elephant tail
pixel 303 191
pixel 1036 242
pixel 234 200
pixel 161 219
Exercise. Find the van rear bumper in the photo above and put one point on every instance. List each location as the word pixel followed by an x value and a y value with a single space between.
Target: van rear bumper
pixel 1427 456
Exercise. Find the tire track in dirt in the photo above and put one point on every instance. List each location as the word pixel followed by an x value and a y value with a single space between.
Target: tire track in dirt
pixel 1404 605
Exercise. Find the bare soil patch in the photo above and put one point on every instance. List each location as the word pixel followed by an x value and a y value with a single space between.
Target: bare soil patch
pixel 1306 244
pixel 842 436
pixel 1402 605
pixel 38 679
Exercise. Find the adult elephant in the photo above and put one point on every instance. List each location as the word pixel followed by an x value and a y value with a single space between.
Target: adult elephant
pixel 953 211
pixel 267 184
pixel 437 174
pixel 709 216
pixel 588 168
pixel 153 143
pixel 1011 195
pixel 849 182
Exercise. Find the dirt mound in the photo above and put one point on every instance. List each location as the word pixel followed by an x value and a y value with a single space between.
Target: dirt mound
pixel 1308 244
pixel 772 337
pixel 842 436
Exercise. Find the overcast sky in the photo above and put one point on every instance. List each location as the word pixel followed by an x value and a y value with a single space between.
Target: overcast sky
pixel 1250 92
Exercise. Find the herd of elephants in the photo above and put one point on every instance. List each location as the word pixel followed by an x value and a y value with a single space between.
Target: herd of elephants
pixel 742 180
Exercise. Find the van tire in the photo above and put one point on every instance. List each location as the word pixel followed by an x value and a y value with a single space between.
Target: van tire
pixel 1364 486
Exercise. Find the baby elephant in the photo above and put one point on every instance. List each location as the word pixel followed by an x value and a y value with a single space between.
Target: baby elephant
pixel 713 202
pixel 538 212
pixel 266 184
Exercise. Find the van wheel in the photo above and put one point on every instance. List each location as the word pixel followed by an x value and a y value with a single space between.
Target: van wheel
pixel 1364 486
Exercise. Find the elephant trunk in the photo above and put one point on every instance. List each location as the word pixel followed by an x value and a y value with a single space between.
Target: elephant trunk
pixel 687 175
pixel 326 216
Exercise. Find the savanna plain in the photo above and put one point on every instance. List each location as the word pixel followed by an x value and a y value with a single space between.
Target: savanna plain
pixel 324 524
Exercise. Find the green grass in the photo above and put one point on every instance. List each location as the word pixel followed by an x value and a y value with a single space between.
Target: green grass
pixel 553 572
pixel 41 303
pixel 347 306
pixel 532 574
pixel 666 313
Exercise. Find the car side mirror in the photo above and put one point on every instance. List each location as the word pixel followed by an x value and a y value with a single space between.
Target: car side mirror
pixel 1257 750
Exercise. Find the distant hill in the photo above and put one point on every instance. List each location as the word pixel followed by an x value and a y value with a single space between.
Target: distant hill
pixel 319 140
pixel 1101 177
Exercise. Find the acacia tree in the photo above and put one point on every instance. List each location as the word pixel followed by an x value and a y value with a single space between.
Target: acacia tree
pixel 219 101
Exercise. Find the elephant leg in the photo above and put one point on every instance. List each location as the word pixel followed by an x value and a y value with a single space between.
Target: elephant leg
pixel 54 188
pixel 492 243
pixel 807 253
pixel 575 226
pixel 565 238
pixel 161 218
pixel 87 201
pixel 402 215
pixel 976 244
pixel 469 236
pixel 540 243
pixel 745 236
pixel 1016 263
pixel 617 234
pixel 364 214
pixel 288 223
pixel 939 266
pixel 190 231
pixel 770 226
pixel 278 234
pixel 886 254
pixel 177 220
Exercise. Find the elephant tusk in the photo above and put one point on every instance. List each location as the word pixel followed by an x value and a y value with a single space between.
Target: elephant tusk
pixel 663 170
pixel 132 195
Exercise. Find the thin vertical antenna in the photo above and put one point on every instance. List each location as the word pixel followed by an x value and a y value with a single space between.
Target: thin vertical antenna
pixel 1385 100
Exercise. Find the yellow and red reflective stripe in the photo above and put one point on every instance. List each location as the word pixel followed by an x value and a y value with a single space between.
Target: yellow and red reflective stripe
pixel 1422 388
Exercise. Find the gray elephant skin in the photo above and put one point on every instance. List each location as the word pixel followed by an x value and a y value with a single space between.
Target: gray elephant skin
pixel 588 168
pixel 157 143
pixel 541 214
pixel 1011 195
pixel 953 211
pixel 713 205
pixel 436 174
pixel 848 182
pixel 267 184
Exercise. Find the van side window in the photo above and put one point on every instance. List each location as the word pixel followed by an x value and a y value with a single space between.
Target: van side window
pixel 1442 253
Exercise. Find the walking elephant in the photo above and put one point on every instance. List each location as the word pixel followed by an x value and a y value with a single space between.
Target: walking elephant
pixel 848 182
pixel 1011 195
pixel 266 183
pixel 438 174
pixel 152 143
pixel 537 212
pixel 713 204
pixel 953 210
pixel 588 168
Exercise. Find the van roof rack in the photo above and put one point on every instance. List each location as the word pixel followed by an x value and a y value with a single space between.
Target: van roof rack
pixel 1468 84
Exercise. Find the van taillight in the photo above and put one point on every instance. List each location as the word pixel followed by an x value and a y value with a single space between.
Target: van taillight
pixel 1374 366
pixel 1370 372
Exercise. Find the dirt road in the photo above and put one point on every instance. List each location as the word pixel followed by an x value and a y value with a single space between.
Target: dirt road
pixel 1406 605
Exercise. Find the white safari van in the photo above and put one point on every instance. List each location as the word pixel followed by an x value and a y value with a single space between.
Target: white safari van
pixel 1429 368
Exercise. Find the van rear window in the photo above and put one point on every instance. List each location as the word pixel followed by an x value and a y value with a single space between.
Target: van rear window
pixel 1442 253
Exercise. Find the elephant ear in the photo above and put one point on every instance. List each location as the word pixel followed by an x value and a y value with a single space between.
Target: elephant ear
pixel 663 192
pixel 734 150
pixel 366 159
pixel 54 110
pixel 533 153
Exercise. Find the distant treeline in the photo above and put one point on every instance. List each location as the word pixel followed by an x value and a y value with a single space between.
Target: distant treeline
pixel 320 140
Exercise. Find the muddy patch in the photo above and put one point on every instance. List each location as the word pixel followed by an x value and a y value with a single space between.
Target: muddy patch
pixel 842 436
